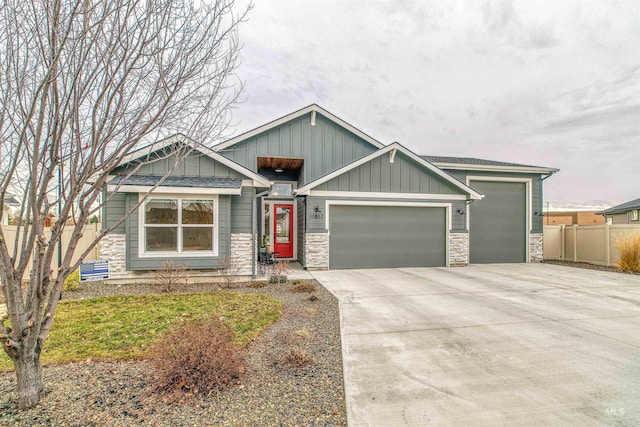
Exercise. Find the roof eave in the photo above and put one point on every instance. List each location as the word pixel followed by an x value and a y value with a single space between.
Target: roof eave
pixel 489 168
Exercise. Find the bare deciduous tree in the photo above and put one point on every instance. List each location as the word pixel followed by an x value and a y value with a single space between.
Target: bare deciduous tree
pixel 82 84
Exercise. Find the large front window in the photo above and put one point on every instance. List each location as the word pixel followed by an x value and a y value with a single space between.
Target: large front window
pixel 178 225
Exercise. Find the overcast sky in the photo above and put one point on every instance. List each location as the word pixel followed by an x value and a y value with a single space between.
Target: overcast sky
pixel 552 83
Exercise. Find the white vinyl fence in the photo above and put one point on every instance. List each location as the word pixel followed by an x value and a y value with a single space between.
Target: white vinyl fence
pixel 585 243
pixel 88 236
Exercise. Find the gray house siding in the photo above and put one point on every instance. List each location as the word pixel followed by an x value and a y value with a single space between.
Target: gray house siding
pixel 404 175
pixel 114 210
pixel 324 147
pixel 195 164
pixel 134 262
pixel 241 208
pixel 536 190
pixel 621 218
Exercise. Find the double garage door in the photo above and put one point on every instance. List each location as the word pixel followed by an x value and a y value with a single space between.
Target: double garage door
pixel 387 236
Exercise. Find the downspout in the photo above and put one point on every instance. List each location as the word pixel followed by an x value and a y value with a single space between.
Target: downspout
pixel 254 224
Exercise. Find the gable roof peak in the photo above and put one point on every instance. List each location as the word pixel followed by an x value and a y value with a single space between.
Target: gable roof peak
pixel 310 109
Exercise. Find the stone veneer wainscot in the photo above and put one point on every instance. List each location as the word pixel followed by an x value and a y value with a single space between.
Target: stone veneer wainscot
pixel 241 252
pixel 113 248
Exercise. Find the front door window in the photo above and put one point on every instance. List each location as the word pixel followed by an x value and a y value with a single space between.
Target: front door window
pixel 283 231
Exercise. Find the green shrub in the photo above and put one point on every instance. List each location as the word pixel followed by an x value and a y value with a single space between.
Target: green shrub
pixel 197 358
pixel 629 253
pixel 278 279
pixel 72 282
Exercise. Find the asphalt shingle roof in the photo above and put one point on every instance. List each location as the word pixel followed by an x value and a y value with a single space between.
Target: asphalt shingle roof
pixel 178 181
pixel 624 207
pixel 471 161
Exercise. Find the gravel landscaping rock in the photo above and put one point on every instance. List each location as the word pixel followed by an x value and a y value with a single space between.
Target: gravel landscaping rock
pixel 271 392
pixel 586 265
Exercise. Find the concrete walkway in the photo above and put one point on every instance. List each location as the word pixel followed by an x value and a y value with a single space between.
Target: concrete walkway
pixel 489 345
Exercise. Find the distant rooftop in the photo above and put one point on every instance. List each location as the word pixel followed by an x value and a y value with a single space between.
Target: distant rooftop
pixel 9 200
pixel 624 207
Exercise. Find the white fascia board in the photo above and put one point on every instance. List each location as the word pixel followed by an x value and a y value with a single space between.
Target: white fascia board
pixel 304 190
pixel 295 115
pixel 151 148
pixel 488 168
pixel 258 180
pixel 173 190
pixel 380 195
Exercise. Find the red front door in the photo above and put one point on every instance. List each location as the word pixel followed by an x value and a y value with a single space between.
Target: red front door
pixel 283 231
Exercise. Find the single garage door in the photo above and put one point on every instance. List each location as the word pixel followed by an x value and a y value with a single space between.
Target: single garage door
pixel 386 236
pixel 498 223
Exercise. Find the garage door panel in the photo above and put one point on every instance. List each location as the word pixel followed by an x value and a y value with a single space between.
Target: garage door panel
pixel 498 224
pixel 386 236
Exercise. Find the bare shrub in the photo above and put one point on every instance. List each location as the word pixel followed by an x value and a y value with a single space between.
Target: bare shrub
pixel 302 287
pixel 259 284
pixel 278 272
pixel 296 358
pixel 197 358
pixel 230 270
pixel 629 253
pixel 170 274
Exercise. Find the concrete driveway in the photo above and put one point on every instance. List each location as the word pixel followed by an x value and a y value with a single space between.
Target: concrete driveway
pixel 527 344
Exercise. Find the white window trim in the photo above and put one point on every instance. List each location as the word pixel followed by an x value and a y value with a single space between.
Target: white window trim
pixel 272 202
pixel 637 215
pixel 446 206
pixel 529 200
pixel 170 254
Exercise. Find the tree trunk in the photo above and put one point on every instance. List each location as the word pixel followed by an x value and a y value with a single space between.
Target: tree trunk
pixel 29 377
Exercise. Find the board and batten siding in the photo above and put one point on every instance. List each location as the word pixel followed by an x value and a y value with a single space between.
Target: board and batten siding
pixel 134 262
pixel 324 147
pixel 404 175
pixel 317 223
pixel 536 190
pixel 195 164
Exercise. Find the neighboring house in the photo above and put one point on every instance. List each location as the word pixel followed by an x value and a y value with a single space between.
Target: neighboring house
pixel 626 213
pixel 573 218
pixel 326 194
pixel 8 201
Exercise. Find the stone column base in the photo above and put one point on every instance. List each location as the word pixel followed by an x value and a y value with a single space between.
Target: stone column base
pixel 458 249
pixel 316 251
pixel 536 248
